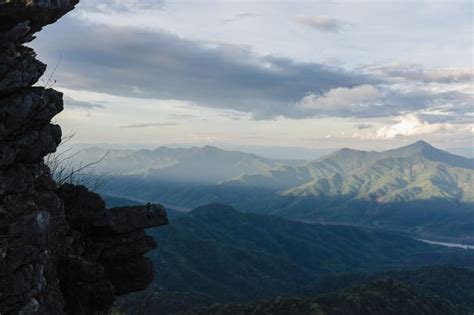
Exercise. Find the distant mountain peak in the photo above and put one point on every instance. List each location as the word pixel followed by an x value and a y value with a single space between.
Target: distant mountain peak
pixel 415 148
pixel 421 144
pixel 345 151
pixel 210 148
pixel 429 152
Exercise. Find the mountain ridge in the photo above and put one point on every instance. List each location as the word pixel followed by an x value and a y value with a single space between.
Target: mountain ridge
pixel 413 189
pixel 251 256
pixel 411 163
pixel 438 286
pixel 178 164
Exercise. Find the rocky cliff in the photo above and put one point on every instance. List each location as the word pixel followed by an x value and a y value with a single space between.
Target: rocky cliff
pixel 61 250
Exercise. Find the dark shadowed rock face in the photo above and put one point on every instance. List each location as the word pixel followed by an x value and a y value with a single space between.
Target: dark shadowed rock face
pixel 103 255
pixel 61 251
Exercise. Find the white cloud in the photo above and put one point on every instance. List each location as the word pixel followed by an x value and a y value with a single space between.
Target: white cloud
pixel 120 6
pixel 322 23
pixel 410 125
pixel 416 72
pixel 146 125
pixel 341 97
pixel 240 16
pixel 71 102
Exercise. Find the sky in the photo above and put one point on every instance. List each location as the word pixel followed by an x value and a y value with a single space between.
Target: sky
pixel 295 74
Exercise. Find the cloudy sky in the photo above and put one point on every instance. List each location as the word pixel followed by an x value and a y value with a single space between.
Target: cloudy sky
pixel 310 74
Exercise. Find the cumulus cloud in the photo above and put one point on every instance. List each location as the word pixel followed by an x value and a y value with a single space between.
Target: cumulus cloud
pixel 322 23
pixel 410 125
pixel 341 98
pixel 384 100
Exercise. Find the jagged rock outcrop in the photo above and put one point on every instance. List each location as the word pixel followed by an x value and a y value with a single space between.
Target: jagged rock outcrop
pixel 61 251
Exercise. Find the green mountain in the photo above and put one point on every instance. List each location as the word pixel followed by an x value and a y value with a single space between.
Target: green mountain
pixel 225 255
pixel 417 188
pixel 414 172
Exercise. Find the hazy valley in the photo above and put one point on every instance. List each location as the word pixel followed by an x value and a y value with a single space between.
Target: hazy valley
pixel 416 189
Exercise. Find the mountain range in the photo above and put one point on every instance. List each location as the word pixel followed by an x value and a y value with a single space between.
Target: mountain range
pixel 382 176
pixel 416 188
pixel 206 165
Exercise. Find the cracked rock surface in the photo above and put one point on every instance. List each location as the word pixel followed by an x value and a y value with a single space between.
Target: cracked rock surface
pixel 61 250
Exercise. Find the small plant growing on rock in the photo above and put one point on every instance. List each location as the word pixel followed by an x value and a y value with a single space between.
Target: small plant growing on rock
pixel 64 169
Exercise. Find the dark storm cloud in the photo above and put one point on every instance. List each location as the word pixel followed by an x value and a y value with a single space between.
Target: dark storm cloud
pixel 139 63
